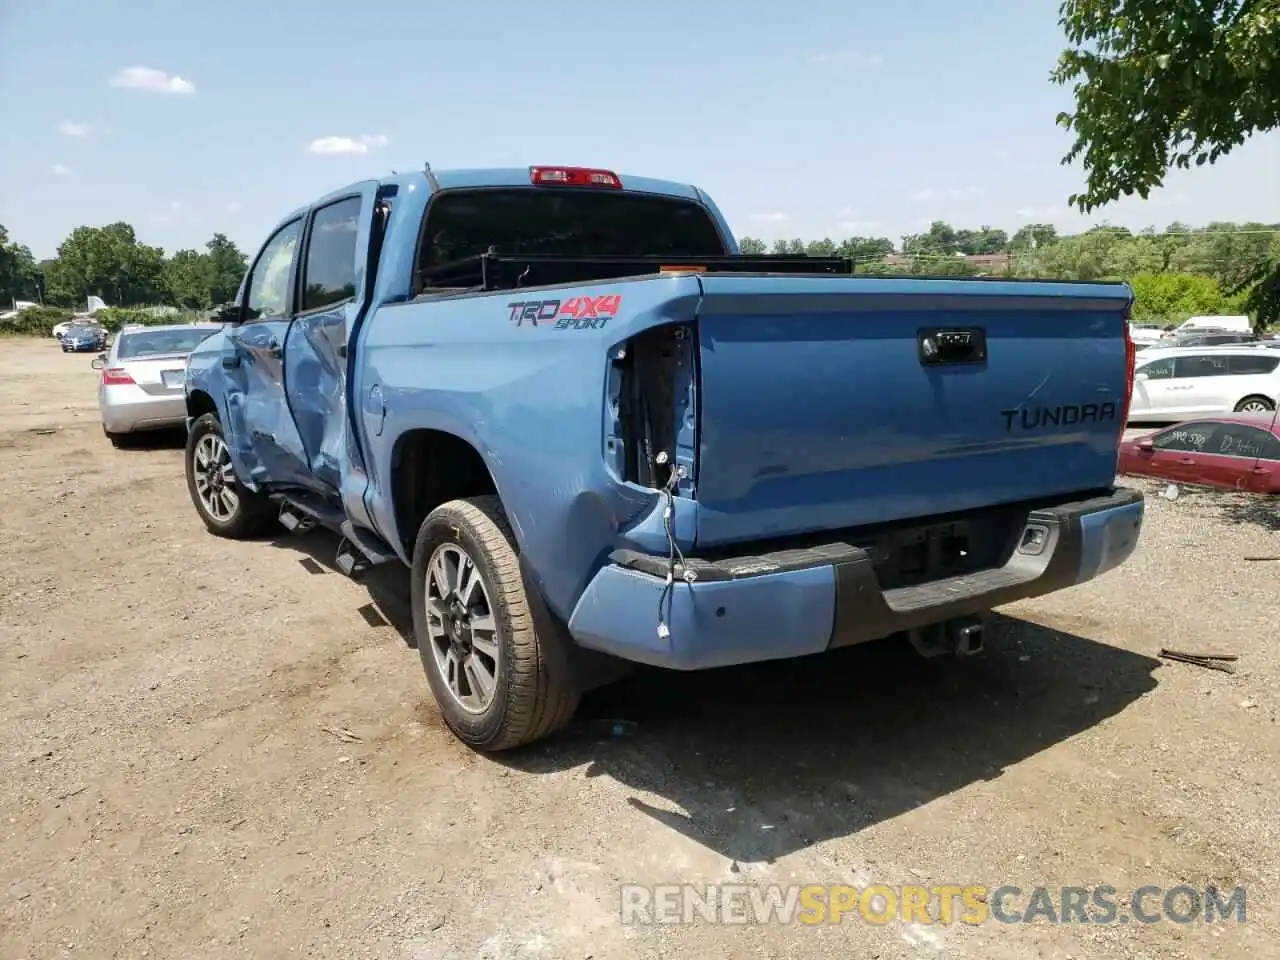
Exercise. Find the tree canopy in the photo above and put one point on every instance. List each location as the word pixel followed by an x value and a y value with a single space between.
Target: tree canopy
pixel 1162 84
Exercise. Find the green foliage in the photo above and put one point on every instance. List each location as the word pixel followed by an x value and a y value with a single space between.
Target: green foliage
pixel 1174 297
pixel 1165 83
pixel 1160 84
pixel 17 272
pixel 36 321
pixel 110 263
pixel 113 318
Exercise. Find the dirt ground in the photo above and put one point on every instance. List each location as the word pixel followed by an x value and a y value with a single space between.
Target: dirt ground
pixel 171 784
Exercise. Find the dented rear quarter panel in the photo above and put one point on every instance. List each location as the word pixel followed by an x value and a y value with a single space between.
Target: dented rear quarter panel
pixel 530 398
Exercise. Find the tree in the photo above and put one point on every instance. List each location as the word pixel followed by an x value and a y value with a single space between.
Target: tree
pixel 751 247
pixel 1168 83
pixel 1033 236
pixel 227 266
pixel 106 262
pixel 18 272
pixel 188 277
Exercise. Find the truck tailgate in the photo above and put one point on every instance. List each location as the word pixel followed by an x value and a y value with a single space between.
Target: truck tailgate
pixel 822 407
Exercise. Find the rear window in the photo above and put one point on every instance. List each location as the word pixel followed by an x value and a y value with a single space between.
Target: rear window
pixel 1253 365
pixel 569 223
pixel 145 343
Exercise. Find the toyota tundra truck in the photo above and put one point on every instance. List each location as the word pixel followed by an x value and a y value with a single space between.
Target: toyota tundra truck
pixel 597 435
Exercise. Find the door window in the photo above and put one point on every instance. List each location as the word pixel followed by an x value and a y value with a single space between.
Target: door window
pixel 1186 437
pixel 1241 440
pixel 329 272
pixel 269 283
pixel 1199 365
pixel 1158 369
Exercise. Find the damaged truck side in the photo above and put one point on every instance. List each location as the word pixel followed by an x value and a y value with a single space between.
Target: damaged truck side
pixel 598 435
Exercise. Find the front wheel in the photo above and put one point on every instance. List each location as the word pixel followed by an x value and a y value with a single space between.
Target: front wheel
pixel 1255 405
pixel 227 508
pixel 485 662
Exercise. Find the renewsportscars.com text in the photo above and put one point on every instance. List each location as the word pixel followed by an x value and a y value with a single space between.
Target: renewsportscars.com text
pixel 941 904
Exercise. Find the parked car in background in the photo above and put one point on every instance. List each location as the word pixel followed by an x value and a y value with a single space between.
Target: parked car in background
pixel 1235 452
pixel 143 375
pixel 1145 334
pixel 81 337
pixel 1211 338
pixel 1180 383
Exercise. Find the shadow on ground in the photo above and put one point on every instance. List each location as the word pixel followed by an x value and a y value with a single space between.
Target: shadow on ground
pixel 771 758
pixel 388 583
pixel 168 439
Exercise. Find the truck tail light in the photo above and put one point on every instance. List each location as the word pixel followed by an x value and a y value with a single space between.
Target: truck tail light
pixel 573 177
pixel 116 376
pixel 1130 361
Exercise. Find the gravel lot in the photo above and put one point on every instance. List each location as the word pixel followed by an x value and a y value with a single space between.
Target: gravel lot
pixel 168 787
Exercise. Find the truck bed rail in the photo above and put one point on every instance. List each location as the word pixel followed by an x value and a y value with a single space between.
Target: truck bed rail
pixel 492 271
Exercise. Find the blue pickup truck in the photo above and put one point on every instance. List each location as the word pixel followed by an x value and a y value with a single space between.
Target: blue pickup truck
pixel 598 435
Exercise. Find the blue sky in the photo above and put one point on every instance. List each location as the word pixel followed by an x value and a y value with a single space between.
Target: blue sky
pixel 828 118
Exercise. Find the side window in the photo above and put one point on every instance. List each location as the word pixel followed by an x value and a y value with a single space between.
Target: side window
pixel 1199 365
pixel 269 284
pixel 329 272
pixel 1270 447
pixel 1247 366
pixel 1158 369
pixel 1240 440
pixel 1190 437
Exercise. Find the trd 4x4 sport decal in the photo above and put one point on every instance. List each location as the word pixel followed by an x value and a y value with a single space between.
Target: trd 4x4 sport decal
pixel 577 313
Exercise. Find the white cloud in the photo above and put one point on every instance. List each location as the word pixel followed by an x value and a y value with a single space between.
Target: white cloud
pixel 233 207
pixel 361 144
pixel 58 170
pixel 79 130
pixel 856 58
pixel 1040 214
pixel 769 217
pixel 1001 153
pixel 152 80
pixel 858 226
pixel 927 193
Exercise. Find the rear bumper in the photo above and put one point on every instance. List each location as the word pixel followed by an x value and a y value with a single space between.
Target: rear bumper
pixel 799 602
pixel 126 409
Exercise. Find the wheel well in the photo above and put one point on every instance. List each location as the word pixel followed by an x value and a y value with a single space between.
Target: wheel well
pixel 428 468
pixel 199 403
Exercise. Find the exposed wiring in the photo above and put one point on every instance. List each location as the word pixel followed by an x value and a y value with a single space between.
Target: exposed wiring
pixel 674 555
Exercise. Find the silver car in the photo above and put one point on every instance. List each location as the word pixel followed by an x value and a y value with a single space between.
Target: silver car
pixel 142 377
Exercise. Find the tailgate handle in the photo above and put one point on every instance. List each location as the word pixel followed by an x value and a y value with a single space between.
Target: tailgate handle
pixel 952 345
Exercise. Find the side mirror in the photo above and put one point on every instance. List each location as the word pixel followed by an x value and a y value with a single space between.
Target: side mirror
pixel 1146 444
pixel 228 313
pixel 1138 377
pixel 99 361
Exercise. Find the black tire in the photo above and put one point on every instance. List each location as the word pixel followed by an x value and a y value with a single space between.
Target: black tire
pixel 253 514
pixel 118 440
pixel 529 701
pixel 1266 403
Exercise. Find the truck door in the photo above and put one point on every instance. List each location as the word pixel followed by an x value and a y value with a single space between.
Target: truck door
pixel 262 430
pixel 331 290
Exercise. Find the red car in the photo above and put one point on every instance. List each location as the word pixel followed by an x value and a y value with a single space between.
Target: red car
pixel 1239 451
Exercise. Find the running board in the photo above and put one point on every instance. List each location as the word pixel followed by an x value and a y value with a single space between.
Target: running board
pixel 358 549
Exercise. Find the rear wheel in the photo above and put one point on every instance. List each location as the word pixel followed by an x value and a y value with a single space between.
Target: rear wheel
pixel 485 662
pixel 118 440
pixel 1255 405
pixel 226 507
